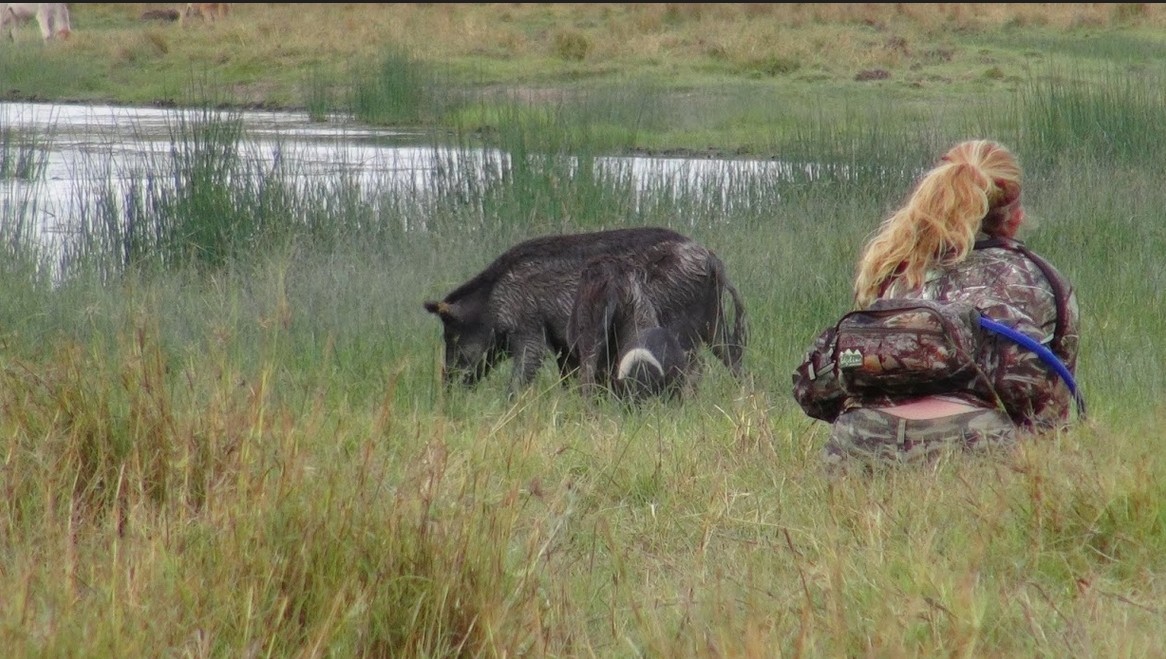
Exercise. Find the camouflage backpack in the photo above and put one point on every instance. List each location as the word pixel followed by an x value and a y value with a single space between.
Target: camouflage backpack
pixel 900 347
pixel 894 348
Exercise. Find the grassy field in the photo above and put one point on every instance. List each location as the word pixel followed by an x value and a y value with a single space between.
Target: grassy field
pixel 723 78
pixel 220 418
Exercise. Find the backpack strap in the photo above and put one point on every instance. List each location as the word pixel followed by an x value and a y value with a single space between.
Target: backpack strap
pixel 1060 293
pixel 1046 355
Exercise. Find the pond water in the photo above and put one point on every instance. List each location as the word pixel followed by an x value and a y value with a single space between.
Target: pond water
pixel 86 147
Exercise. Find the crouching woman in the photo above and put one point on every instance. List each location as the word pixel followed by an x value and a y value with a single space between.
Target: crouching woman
pixel 953 246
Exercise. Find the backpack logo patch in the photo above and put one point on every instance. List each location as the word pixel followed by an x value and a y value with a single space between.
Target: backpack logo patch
pixel 850 359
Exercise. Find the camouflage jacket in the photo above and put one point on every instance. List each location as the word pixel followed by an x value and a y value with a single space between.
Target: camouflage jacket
pixel 1006 286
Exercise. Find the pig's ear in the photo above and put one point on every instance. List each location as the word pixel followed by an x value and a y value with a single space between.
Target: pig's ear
pixel 441 309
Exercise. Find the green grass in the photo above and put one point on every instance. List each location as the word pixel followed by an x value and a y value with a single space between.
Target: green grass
pixel 730 79
pixel 222 429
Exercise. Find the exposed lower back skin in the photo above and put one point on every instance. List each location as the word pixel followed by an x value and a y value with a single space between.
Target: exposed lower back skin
pixel 931 407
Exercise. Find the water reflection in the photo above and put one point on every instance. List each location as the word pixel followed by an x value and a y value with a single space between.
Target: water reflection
pixel 89 147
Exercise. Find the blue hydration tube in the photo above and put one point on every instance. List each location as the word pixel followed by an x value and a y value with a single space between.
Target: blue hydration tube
pixel 1044 353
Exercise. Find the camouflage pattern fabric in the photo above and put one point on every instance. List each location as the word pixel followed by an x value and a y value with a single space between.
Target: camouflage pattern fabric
pixel 1005 286
pixel 908 347
pixel 1011 289
pixel 816 385
pixel 871 437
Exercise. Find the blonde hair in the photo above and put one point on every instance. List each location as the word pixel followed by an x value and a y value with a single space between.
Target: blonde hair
pixel 975 187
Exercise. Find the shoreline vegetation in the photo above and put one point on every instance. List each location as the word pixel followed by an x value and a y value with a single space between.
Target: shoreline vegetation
pixel 222 428
pixel 719 79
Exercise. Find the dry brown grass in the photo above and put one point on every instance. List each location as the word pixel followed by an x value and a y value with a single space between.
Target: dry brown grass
pixel 627 31
pixel 264 51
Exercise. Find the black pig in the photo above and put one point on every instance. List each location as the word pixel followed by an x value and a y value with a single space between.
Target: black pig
pixel 519 306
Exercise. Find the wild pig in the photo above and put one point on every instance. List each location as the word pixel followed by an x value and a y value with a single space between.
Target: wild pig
pixel 519 306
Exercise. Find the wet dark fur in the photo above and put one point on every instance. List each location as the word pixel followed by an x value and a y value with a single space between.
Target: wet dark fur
pixel 609 310
pixel 520 305
pixel 617 301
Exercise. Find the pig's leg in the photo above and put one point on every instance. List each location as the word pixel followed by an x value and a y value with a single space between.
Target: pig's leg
pixel 527 351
